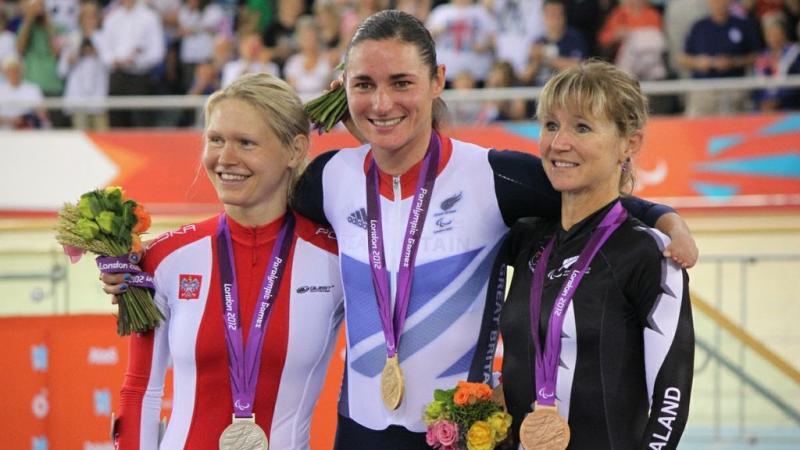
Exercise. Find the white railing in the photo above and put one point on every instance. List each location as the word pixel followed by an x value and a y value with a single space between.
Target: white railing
pixel 655 88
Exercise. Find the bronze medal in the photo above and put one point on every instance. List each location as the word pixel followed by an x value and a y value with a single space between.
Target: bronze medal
pixel 243 434
pixel 544 429
pixel 392 384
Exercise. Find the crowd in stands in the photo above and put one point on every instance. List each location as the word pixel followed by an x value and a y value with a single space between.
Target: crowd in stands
pixel 90 49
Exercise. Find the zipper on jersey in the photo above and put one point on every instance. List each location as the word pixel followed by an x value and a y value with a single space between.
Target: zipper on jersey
pixel 397 226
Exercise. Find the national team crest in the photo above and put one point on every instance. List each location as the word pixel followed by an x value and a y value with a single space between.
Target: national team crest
pixel 189 286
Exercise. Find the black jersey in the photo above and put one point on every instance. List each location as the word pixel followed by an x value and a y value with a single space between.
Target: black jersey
pixel 627 344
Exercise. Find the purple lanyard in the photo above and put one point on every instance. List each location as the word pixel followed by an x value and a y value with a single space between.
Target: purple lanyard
pixel 244 368
pixel 393 326
pixel 546 362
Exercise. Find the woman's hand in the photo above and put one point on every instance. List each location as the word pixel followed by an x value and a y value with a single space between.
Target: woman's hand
pixel 115 284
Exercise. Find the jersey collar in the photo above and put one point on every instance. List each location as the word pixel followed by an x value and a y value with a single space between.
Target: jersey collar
pixel 408 180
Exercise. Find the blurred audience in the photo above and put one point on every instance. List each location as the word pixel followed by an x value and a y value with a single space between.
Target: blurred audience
pixel 679 16
pixel 464 33
pixel 779 59
pixel 519 23
pixel 465 112
pixel 558 48
pixel 38 46
pixel 8 40
pixel 85 72
pixel 157 47
pixel 16 92
pixel 502 76
pixel 633 38
pixel 310 71
pixel 198 22
pixel 278 38
pixel 718 46
pixel 253 58
pixel 133 45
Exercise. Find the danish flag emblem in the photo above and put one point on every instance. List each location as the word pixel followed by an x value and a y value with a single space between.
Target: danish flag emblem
pixel 189 286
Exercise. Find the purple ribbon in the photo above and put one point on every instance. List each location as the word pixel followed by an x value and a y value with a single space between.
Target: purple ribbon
pixel 392 323
pixel 244 360
pixel 546 362
pixel 121 264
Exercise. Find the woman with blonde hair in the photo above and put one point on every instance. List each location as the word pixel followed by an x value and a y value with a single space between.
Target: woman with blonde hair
pixel 597 327
pixel 249 345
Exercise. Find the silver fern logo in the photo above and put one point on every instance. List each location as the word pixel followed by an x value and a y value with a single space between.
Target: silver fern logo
pixel 450 202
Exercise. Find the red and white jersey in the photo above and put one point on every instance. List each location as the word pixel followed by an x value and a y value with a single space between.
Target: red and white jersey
pixel 297 347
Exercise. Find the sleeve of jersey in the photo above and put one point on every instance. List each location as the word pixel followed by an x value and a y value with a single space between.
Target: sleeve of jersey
pixel 143 387
pixel 521 186
pixel 308 195
pixel 661 290
pixel 646 211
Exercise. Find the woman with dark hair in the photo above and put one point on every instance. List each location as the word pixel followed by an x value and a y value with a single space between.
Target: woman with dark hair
pixel 420 218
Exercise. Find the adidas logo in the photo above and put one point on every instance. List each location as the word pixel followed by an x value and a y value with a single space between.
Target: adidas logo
pixel 358 218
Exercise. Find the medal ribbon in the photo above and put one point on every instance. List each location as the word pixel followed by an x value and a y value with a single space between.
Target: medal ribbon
pixel 244 361
pixel 121 264
pixel 392 324
pixel 546 360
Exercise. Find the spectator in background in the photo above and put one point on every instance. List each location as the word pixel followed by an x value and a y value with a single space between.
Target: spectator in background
pixel 466 112
pixel 779 59
pixel 464 33
pixel 417 8
pixel 679 16
pixel 86 75
pixel 37 45
pixel 278 38
pixel 167 75
pixel 519 23
pixel 309 71
pixel 133 45
pixel 502 76
pixel 355 11
pixel 63 15
pixel 255 15
pixel 718 46
pixel 560 47
pixel 8 40
pixel 587 16
pixel 205 81
pixel 14 90
pixel 253 58
pixel 198 22
pixel 633 38
pixel 327 16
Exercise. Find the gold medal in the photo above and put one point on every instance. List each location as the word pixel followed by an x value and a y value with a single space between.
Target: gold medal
pixel 392 383
pixel 243 434
pixel 544 429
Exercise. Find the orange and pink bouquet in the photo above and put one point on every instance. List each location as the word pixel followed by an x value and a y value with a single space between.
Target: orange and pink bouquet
pixel 109 225
pixel 465 418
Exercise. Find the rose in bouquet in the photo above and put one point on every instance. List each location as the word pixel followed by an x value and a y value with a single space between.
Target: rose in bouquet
pixel 465 418
pixel 109 225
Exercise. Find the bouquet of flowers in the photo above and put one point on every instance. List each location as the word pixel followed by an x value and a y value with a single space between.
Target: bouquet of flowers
pixel 329 108
pixel 465 418
pixel 107 224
